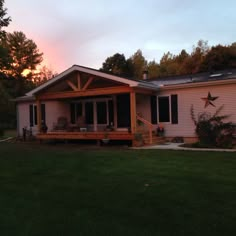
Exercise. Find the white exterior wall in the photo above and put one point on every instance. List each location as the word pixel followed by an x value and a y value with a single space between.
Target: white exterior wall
pixel 192 96
pixel 23 117
pixel 143 106
pixel 53 110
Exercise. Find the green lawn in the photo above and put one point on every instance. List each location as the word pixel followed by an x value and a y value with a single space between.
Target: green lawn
pixel 62 190
pixel 8 133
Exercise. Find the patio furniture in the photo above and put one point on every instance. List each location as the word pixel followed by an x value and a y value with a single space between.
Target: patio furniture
pixel 82 123
pixel 61 124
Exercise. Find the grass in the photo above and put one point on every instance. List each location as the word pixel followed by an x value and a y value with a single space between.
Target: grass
pixel 8 133
pixel 64 190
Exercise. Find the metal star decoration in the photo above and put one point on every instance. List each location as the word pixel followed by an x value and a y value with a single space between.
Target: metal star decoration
pixel 209 99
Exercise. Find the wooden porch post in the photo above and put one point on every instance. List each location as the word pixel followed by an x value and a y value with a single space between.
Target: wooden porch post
pixel 133 112
pixel 115 110
pixel 39 114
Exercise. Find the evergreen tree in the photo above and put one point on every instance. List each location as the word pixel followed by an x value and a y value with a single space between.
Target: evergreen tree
pixel 117 65
pixel 24 53
pixel 4 20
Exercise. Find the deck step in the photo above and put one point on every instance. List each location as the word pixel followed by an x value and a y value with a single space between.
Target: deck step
pixel 155 139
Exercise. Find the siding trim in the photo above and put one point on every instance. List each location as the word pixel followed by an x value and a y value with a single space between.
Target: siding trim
pixel 198 84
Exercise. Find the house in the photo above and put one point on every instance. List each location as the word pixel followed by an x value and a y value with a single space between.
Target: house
pixel 83 103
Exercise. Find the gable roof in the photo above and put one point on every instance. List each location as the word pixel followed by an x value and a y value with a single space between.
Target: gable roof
pixel 171 82
pixel 130 82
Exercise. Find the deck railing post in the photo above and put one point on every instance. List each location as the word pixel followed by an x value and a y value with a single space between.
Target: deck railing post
pixel 150 127
pixel 133 111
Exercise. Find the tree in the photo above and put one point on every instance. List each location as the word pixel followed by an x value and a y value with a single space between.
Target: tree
pixel 7 108
pixel 44 74
pixel 24 52
pixel 4 21
pixel 117 65
pixel 168 65
pixel 139 64
pixel 220 58
pixel 5 58
pixel 198 55
pixel 153 69
pixel 181 60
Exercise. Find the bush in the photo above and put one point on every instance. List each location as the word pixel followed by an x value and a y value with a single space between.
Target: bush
pixel 212 131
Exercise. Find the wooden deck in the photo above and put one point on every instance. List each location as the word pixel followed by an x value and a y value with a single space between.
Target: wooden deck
pixel 63 135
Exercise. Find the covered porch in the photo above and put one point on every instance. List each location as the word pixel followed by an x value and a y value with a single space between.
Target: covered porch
pixel 109 108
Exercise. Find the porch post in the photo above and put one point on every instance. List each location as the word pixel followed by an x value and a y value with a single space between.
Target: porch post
pixel 39 114
pixel 133 112
pixel 115 110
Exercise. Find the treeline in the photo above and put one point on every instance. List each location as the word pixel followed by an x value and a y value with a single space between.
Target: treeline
pixel 203 58
pixel 19 60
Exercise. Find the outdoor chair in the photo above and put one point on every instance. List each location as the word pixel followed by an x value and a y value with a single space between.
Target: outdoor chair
pixel 61 124
pixel 82 123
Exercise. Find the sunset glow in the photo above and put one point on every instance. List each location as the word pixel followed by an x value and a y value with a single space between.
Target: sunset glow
pixel 68 35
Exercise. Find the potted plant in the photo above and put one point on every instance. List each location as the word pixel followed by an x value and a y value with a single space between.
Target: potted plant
pixel 105 140
pixel 44 127
pixel 110 127
pixel 160 130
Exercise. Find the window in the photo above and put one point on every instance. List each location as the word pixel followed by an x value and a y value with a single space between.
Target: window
pixel 89 112
pixel 75 112
pixel 168 109
pixel 33 114
pixel 164 109
pixel 153 102
pixel 101 112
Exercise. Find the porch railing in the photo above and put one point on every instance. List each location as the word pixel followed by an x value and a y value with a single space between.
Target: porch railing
pixel 148 124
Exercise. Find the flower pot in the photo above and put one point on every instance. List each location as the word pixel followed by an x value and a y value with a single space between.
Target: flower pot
pixel 105 140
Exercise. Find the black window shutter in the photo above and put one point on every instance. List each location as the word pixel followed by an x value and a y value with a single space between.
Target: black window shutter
pixel 31 115
pixel 72 113
pixel 35 115
pixel 174 109
pixel 153 102
pixel 43 113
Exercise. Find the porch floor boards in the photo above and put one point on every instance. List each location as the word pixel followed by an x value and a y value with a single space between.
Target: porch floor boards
pixel 113 135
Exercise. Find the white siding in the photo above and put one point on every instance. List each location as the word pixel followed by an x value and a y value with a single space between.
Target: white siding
pixel 143 106
pixel 192 96
pixel 23 117
pixel 53 110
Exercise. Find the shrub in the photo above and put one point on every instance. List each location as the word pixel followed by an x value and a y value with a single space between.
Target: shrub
pixel 212 131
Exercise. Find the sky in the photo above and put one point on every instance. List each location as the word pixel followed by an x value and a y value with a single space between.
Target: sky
pixel 86 32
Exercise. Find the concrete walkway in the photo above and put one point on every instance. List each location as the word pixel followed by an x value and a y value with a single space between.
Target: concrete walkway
pixel 176 146
pixel 6 139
